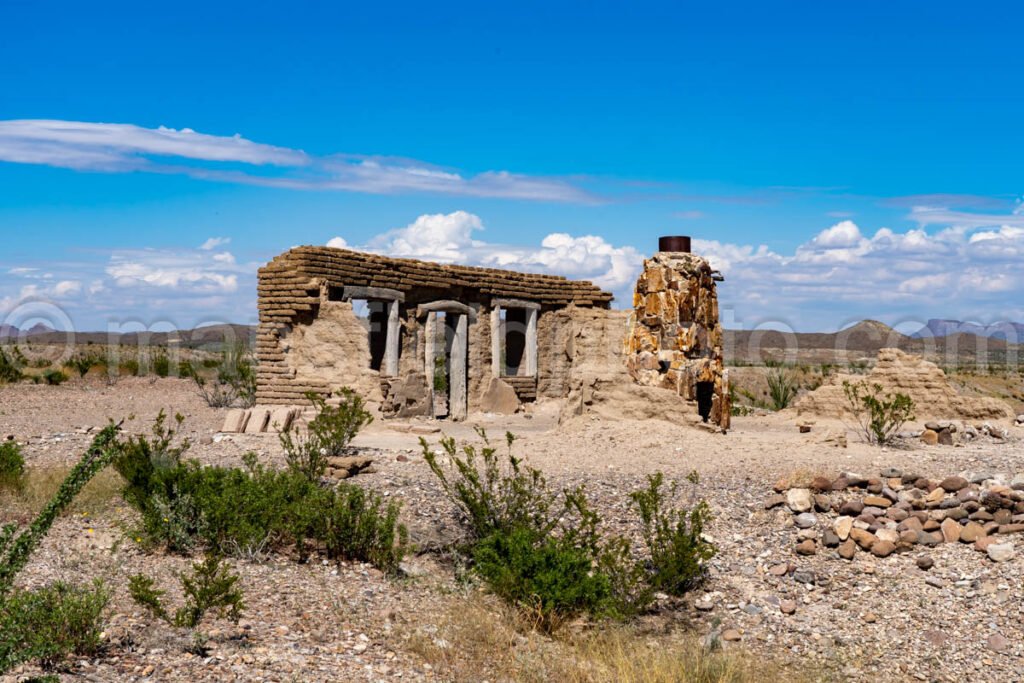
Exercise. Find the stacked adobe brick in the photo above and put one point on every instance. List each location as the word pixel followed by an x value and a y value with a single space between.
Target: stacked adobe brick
pixel 292 286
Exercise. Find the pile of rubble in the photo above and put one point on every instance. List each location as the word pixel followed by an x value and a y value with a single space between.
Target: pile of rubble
pixel 898 512
pixel 946 433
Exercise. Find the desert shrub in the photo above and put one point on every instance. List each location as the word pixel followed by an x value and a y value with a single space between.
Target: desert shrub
pixel 10 368
pixel 47 624
pixel 51 623
pixel 82 363
pixel 233 381
pixel 130 367
pixel 675 538
pixel 782 388
pixel 491 496
pixel 210 586
pixel 880 416
pixel 54 377
pixel 161 365
pixel 12 465
pixel 548 577
pixel 139 458
pixel 543 551
pixel 246 512
pixel 328 434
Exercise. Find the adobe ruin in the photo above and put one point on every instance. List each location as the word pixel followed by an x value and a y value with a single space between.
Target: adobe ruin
pixel 421 339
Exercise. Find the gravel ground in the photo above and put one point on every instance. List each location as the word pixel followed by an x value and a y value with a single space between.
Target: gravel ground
pixel 869 619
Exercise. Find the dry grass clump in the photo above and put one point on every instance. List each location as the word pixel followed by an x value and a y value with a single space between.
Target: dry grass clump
pixel 479 638
pixel 39 484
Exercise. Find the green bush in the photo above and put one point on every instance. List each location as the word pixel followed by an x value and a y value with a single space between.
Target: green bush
pixel 491 497
pixel 782 388
pixel 674 538
pixel 83 363
pixel 50 624
pixel 246 512
pixel 548 577
pixel 328 434
pixel 210 586
pixel 161 366
pixel 10 367
pixel 234 380
pixel 54 377
pixel 129 366
pixel 12 465
pixel 543 551
pixel 880 416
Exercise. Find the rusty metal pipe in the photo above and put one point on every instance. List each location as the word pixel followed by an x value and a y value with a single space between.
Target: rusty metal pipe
pixel 675 243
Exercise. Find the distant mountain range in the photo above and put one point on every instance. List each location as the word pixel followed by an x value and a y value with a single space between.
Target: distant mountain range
pixel 8 331
pixel 200 336
pixel 1006 331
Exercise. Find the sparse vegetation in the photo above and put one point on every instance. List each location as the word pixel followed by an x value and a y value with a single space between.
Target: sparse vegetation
pixel 12 465
pixel 782 388
pixel 53 377
pixel 880 416
pixel 247 512
pixel 211 586
pixel 327 435
pixel 82 363
pixel 47 624
pixel 233 381
pixel 543 551
pixel 50 624
pixel 10 367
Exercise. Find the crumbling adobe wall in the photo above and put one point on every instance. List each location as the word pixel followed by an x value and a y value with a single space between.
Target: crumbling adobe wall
pixel 923 381
pixel 295 290
pixel 332 351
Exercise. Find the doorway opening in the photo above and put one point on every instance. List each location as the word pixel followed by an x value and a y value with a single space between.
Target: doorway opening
pixel 705 399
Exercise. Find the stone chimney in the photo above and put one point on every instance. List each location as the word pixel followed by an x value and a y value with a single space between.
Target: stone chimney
pixel 675 339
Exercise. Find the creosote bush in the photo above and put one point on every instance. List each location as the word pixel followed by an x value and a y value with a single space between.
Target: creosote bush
pixel 10 367
pixel 880 416
pixel 12 465
pixel 543 551
pixel 210 586
pixel 82 363
pixel 248 512
pixel 233 381
pixel 48 624
pixel 327 435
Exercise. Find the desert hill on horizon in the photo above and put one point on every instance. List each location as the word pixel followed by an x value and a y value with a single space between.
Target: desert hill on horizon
pixel 948 342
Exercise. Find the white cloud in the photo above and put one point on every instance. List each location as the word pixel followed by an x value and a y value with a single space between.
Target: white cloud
pixel 214 242
pixel 337 243
pixel 840 275
pixel 120 147
pixel 184 271
pixel 450 238
pixel 66 288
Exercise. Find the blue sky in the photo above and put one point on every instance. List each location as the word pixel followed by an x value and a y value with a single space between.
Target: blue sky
pixel 836 161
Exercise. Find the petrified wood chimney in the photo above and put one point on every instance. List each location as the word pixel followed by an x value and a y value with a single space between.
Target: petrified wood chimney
pixel 675 339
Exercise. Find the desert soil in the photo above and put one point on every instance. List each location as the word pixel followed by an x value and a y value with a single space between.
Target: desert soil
pixel 869 619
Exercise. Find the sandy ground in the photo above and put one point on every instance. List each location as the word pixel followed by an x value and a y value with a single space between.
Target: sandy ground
pixel 869 619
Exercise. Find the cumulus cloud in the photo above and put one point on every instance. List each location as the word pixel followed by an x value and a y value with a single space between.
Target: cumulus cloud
pixel 121 147
pixel 214 242
pixel 451 238
pixel 841 275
